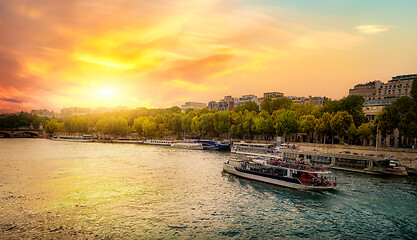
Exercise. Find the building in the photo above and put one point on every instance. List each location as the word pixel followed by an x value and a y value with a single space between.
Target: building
pixel 379 95
pixel 367 90
pixel 246 98
pixel 228 102
pixel 318 101
pixel 43 113
pixel 271 95
pixel 193 105
pixel 73 111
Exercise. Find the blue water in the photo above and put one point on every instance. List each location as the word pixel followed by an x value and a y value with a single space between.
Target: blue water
pixel 54 189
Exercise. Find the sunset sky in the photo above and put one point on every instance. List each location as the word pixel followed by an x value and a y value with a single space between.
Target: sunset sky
pixel 161 53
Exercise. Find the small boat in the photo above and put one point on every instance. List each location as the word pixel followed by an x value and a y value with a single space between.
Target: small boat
pixel 282 173
pixel 158 142
pixel 215 145
pixel 253 149
pixel 126 140
pixel 85 138
pixel 188 145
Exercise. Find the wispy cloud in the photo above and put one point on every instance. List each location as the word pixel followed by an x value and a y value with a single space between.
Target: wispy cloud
pixel 372 29
pixel 11 100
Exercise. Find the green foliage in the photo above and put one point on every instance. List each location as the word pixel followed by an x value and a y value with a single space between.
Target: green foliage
pixel 175 109
pixel 341 122
pixel 307 123
pixel 221 122
pixel 206 120
pixel 286 123
pixel 176 123
pixel 324 124
pixel 388 120
pixel 52 126
pixel 269 105
pixel 249 106
pixel 365 131
pixel 76 124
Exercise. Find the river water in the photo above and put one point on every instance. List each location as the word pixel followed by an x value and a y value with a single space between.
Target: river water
pixel 51 189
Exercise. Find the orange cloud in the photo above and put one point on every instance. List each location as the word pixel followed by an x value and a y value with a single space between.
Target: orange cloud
pixel 58 53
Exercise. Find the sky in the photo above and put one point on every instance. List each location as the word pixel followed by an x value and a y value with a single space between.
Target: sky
pixel 162 53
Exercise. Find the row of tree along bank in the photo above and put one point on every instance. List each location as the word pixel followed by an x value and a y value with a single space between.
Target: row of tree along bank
pixel 336 121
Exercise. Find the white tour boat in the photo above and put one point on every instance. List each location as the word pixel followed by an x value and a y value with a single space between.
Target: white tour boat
pixel 288 174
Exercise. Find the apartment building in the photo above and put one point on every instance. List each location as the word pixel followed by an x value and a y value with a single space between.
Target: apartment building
pixel 379 95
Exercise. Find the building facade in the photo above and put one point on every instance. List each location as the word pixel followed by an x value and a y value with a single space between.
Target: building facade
pixel 378 95
pixel 193 105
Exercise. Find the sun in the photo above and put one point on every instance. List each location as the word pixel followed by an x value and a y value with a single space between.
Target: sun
pixel 106 92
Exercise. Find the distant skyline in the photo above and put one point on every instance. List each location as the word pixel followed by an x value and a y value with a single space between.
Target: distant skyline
pixel 92 53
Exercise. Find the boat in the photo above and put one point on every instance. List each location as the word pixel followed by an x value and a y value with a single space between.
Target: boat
pixel 254 149
pixel 84 138
pixel 126 140
pixel 215 145
pixel 188 145
pixel 368 163
pixel 158 142
pixel 289 174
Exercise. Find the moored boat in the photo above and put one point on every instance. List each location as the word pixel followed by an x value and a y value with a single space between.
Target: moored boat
pixel 85 138
pixel 188 145
pixel 126 140
pixel 254 149
pixel 158 142
pixel 288 174
pixel 371 164
pixel 215 145
pixel 367 163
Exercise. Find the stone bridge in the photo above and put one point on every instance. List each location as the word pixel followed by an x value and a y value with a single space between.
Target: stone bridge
pixel 22 132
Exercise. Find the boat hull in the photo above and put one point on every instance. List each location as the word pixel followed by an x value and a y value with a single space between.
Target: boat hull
pixel 230 169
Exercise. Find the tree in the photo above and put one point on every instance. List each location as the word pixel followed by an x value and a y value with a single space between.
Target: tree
pixel 308 124
pixel 365 132
pixel 174 109
pixel 353 104
pixel 248 126
pixel 388 120
pixel 51 127
pixel 207 123
pixel 249 105
pixel 341 122
pixel 196 125
pixel 221 122
pixel 323 125
pixel 137 125
pixel 281 103
pixel 149 127
pixel 36 122
pixel 266 105
pixel 186 123
pixel 286 123
pixel 176 123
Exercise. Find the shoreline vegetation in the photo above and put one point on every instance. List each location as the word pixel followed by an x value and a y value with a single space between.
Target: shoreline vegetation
pixel 337 122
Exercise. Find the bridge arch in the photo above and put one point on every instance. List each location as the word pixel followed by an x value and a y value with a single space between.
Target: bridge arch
pixel 6 134
pixel 31 133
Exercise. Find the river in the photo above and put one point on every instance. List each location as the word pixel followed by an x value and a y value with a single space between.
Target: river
pixel 51 189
